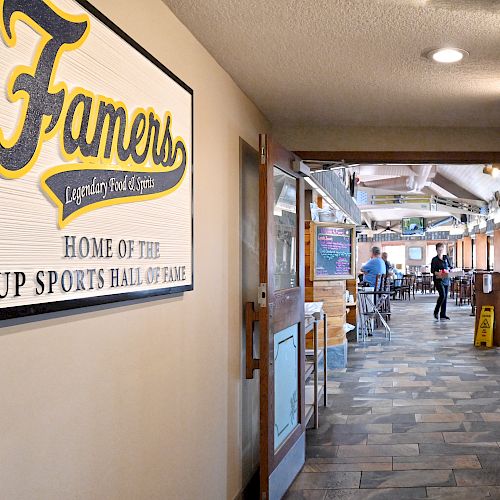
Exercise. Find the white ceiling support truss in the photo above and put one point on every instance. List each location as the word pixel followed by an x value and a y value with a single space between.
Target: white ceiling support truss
pixel 424 203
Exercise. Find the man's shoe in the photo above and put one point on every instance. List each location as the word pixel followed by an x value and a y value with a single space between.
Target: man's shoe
pixel 436 316
pixel 445 317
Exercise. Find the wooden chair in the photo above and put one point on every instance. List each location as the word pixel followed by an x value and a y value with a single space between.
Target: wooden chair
pixel 454 287
pixel 396 288
pixel 413 283
pixel 426 283
pixel 464 292
pixel 406 284
pixel 418 282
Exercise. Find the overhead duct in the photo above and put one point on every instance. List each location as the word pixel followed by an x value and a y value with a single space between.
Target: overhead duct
pixel 442 222
pixel 422 174
pixel 395 184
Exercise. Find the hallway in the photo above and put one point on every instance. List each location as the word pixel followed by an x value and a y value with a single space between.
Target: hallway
pixel 417 417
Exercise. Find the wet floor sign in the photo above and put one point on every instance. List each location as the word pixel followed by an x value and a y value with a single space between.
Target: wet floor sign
pixel 484 334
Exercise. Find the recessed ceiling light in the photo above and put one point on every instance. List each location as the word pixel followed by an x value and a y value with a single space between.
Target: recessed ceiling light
pixel 446 55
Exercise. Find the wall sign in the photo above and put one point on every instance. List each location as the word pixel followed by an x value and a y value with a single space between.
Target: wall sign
pixel 96 163
pixel 333 251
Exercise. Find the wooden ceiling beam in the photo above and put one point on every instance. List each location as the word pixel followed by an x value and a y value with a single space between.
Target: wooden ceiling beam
pixel 438 157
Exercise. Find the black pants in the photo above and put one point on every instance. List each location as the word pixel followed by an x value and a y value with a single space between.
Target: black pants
pixel 441 302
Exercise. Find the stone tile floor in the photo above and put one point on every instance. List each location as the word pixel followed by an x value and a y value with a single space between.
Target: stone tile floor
pixel 417 417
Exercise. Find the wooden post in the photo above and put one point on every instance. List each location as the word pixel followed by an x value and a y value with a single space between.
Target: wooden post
pixel 481 251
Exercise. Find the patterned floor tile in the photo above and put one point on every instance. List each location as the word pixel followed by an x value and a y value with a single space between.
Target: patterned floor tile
pixel 466 493
pixel 377 494
pixel 441 417
pixel 416 417
pixel 353 467
pixel 471 437
pixel 406 438
pixel 326 480
pixel 460 449
pixel 305 495
pixel 436 462
pixel 382 450
pixel 407 479
pixel 477 477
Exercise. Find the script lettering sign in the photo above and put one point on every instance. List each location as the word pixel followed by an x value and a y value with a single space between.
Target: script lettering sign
pixel 96 163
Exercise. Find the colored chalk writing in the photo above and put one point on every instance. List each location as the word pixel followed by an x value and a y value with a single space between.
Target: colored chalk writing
pixel 333 251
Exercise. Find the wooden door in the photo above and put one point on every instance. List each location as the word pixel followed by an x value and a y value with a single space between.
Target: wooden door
pixel 281 317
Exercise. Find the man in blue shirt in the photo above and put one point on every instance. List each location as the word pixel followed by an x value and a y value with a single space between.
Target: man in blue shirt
pixel 374 266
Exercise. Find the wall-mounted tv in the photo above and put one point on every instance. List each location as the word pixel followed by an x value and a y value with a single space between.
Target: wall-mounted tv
pixel 413 226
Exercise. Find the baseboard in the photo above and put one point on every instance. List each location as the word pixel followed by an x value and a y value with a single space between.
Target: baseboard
pixel 252 489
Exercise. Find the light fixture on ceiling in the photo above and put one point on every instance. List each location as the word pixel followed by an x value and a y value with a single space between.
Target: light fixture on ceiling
pixel 493 170
pixel 446 55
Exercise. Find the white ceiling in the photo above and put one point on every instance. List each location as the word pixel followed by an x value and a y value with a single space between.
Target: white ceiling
pixel 474 184
pixel 471 178
pixel 356 62
pixel 466 182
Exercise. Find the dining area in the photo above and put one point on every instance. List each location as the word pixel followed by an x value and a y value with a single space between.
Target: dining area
pixel 374 311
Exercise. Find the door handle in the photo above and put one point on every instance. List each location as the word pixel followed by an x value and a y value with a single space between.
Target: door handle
pixel 251 316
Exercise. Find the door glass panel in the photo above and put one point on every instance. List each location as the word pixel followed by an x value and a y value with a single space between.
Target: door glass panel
pixel 286 383
pixel 285 224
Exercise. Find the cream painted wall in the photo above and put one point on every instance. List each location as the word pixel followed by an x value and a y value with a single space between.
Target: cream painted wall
pixel 143 401
pixel 388 138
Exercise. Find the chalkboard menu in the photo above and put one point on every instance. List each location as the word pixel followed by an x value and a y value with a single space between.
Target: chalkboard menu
pixel 333 251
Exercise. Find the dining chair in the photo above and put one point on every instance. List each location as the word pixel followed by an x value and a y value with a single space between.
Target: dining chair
pixel 426 282
pixel 406 287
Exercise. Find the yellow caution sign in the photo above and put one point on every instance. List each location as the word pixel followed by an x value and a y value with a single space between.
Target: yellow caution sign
pixel 484 334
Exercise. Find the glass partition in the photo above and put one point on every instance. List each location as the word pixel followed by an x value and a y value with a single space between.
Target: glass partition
pixel 285 230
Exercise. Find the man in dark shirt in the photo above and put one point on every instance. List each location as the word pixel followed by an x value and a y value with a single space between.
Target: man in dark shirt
pixel 440 266
pixel 388 265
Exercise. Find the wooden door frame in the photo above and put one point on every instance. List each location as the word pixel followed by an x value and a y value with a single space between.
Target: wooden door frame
pixel 437 157
pixel 282 159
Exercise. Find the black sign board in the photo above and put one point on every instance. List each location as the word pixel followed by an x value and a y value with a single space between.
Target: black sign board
pixel 333 251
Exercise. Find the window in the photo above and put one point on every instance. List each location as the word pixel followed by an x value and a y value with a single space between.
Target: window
pixel 396 255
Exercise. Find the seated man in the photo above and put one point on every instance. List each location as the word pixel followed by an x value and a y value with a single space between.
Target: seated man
pixel 373 267
pixel 388 266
